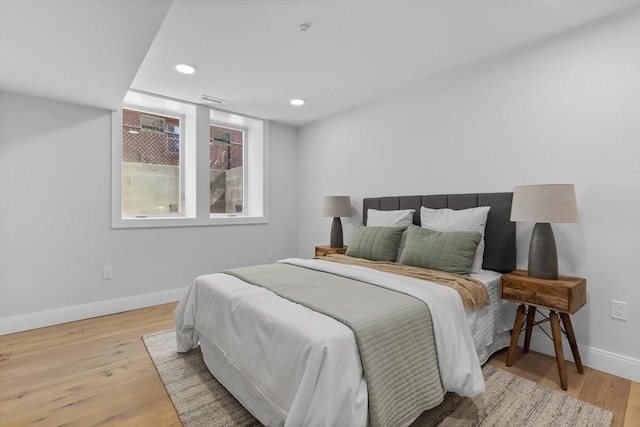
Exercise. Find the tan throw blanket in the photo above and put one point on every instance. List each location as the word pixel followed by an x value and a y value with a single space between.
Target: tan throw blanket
pixel 473 292
pixel 393 330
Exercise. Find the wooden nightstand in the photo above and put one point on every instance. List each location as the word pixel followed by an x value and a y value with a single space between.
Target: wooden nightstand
pixel 565 296
pixel 326 250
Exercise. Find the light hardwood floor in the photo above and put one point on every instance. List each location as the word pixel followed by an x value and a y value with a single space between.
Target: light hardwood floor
pixel 98 372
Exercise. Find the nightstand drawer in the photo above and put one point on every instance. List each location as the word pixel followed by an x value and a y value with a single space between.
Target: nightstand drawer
pixel 567 294
pixel 557 298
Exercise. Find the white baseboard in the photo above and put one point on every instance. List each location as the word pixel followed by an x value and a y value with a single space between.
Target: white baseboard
pixel 612 363
pixel 25 322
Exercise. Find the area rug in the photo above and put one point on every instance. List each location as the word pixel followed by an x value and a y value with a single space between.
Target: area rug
pixel 510 400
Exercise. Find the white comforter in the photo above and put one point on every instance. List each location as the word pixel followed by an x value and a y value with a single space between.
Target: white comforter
pixel 304 366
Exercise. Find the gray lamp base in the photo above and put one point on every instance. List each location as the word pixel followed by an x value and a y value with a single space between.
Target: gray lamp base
pixel 336 233
pixel 543 257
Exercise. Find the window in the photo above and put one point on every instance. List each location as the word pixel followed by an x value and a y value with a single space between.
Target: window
pixel 177 164
pixel 226 159
pixel 151 172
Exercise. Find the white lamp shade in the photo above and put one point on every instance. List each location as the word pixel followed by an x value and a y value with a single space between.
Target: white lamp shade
pixel 549 203
pixel 336 206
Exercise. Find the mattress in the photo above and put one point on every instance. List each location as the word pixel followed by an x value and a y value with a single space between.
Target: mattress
pixel 301 367
pixel 489 330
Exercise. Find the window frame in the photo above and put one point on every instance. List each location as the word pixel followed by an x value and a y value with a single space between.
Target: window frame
pixel 196 170
pixel 181 162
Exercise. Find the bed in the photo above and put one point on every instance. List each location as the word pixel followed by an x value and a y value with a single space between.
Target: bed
pixel 291 365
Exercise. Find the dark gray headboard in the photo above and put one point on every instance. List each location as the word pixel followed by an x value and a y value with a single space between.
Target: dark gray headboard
pixel 500 233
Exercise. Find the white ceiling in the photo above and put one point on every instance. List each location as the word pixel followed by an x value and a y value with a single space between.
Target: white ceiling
pixel 81 51
pixel 253 54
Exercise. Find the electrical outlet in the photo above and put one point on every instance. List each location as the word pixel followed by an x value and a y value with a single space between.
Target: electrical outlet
pixel 107 273
pixel 270 255
pixel 618 310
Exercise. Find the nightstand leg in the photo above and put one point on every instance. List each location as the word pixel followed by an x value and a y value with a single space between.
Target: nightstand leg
pixel 531 316
pixel 572 341
pixel 557 344
pixel 517 326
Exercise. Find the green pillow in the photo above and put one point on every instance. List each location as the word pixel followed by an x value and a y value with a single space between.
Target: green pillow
pixel 375 243
pixel 451 251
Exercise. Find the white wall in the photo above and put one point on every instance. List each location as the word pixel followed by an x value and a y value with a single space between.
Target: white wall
pixel 566 110
pixel 55 233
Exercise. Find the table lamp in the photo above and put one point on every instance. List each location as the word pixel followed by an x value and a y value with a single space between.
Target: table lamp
pixel 543 205
pixel 336 206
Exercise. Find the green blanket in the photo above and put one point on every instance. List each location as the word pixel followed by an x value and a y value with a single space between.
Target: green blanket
pixel 393 332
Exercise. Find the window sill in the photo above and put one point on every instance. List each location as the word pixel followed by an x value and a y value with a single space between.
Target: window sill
pixel 186 222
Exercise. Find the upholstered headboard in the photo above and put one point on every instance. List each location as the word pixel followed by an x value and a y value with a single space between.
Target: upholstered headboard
pixel 500 232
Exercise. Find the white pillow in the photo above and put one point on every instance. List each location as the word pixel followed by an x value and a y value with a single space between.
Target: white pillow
pixel 399 218
pixel 473 219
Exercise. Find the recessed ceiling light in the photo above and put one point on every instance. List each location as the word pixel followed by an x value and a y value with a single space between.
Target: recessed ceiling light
pixel 296 101
pixel 186 68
